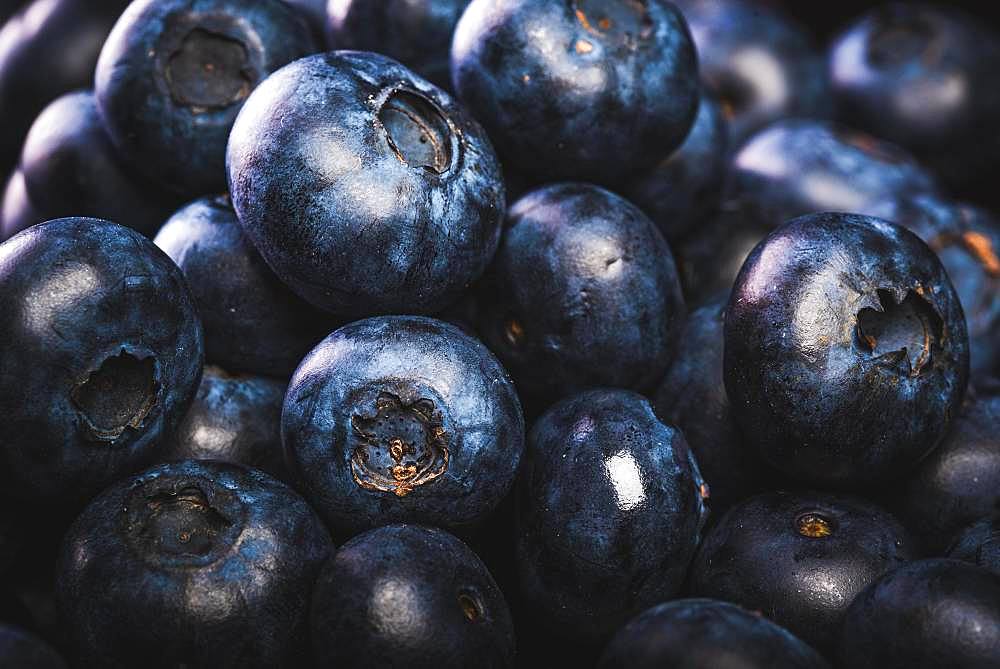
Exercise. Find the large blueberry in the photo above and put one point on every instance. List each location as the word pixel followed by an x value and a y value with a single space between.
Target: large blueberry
pixel 417 33
pixel 979 543
pixel 253 322
pixel 799 558
pixel 706 634
pixel 927 614
pixel 365 188
pixel 761 64
pixel 174 73
pixel 846 351
pixel 610 509
pixel 194 564
pixel 101 356
pixel 402 419
pixel 409 596
pixel 22 650
pixel 923 75
pixel 583 292
pixel 581 89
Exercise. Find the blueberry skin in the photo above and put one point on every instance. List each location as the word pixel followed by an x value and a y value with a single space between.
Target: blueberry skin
pixel 416 33
pixel 761 64
pixel 979 543
pixel 799 558
pixel 692 397
pixel 566 98
pixel 923 76
pixel 70 168
pixel 21 649
pixel 253 322
pixel 402 419
pixel 798 166
pixel 959 482
pixel 846 351
pixel 926 614
pixel 609 513
pixel 706 634
pixel 102 356
pixel 405 595
pixel 18 212
pixel 685 187
pixel 210 564
pixel 354 213
pixel 583 292
pixel 234 418
pixel 167 116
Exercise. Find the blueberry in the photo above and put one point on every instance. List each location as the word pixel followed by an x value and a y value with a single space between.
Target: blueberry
pixel 253 322
pixel 610 507
pixel 173 74
pixel 314 13
pixel 234 418
pixel 799 166
pixel 365 188
pixel 23 650
pixel 402 419
pixel 926 614
pixel 686 185
pixel 405 595
pixel 192 564
pixel 70 168
pixel 583 292
pixel 922 75
pixel 846 351
pixel 584 89
pixel 799 558
pixel 979 543
pixel 18 211
pixel 102 355
pixel 417 33
pixel 761 64
pixel 706 634
pixel 960 481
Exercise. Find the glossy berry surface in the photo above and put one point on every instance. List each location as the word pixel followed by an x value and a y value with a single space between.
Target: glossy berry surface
pixel 406 595
pixel 173 74
pixel 929 613
pixel 979 543
pixel 706 634
pixel 212 564
pixel 580 90
pixel 799 558
pixel 253 322
pixel 846 350
pixel 583 292
pixel 102 355
pixel 402 419
pixel 365 187
pixel 610 505
pixel 17 212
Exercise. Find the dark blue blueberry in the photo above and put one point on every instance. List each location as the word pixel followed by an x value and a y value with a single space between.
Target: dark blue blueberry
pixel 693 397
pixel 924 76
pixel 18 211
pixel 409 596
pixel 314 12
pixel 583 292
pixel 846 351
pixel 610 509
pixel 253 322
pixel 799 558
pixel 366 188
pixel 761 64
pixel 706 634
pixel 102 355
pixel 20 649
pixel 798 167
pixel 194 564
pixel 174 73
pixel 685 187
pixel 402 419
pixel 960 481
pixel 979 543
pixel 234 418
pixel 70 168
pixel 927 614
pixel 583 89
pixel 417 33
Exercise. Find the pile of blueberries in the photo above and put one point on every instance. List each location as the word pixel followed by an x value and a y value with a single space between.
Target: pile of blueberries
pixel 502 333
